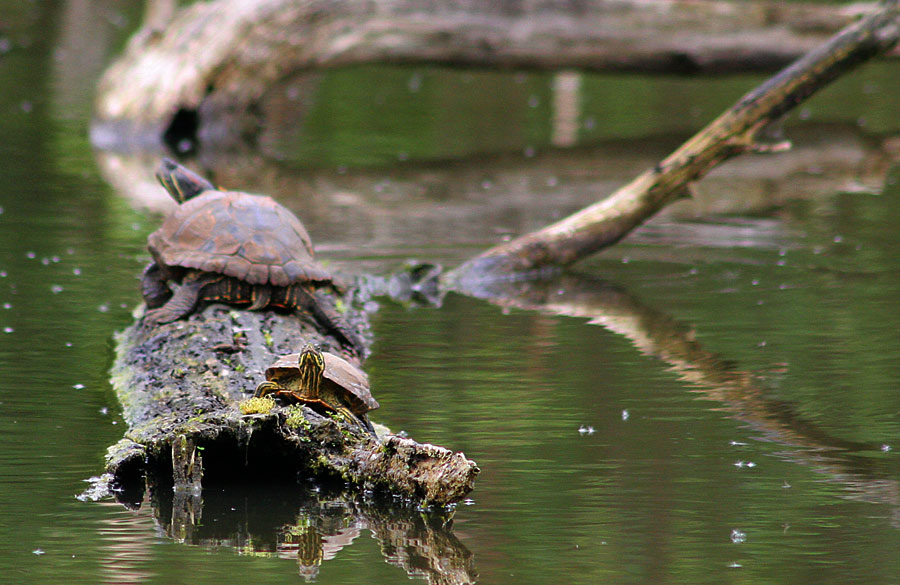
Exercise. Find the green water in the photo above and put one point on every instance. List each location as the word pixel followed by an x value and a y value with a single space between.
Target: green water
pixel 681 410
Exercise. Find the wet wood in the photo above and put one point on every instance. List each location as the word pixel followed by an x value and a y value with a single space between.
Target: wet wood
pixel 182 385
pixel 207 66
pixel 733 133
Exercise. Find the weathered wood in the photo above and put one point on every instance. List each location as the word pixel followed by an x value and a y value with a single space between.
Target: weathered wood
pixel 181 386
pixel 732 133
pixel 214 60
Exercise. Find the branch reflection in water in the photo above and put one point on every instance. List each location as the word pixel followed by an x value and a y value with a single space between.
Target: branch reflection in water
pixel 307 525
pixel 742 394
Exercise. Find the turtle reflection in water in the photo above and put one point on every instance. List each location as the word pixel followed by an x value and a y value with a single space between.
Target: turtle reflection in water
pixel 324 382
pixel 236 248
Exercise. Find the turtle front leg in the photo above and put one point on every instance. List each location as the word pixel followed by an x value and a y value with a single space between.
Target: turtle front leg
pixel 153 287
pixel 184 300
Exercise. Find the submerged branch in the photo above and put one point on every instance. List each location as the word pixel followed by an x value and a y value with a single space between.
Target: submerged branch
pixel 732 133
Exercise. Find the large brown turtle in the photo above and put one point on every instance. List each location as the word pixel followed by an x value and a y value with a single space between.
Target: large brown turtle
pixel 323 381
pixel 236 248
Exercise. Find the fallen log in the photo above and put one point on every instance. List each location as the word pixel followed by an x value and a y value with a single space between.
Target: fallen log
pixel 736 131
pixel 199 73
pixel 184 389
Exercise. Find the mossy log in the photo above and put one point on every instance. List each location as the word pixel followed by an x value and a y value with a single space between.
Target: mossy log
pixel 182 385
pixel 203 69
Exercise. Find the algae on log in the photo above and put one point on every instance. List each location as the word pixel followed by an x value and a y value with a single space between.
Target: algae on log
pixel 181 384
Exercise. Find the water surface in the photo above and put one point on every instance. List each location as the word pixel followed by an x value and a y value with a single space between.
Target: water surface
pixel 715 399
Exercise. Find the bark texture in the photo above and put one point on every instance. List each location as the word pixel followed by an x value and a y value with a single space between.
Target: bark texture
pixel 181 386
pixel 733 133
pixel 206 68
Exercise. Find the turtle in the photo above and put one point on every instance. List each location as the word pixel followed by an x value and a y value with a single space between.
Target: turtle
pixel 323 381
pixel 233 247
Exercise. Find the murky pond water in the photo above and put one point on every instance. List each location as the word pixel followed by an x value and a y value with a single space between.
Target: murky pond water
pixel 715 399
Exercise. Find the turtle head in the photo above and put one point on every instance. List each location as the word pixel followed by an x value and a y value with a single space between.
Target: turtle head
pixel 181 182
pixel 312 364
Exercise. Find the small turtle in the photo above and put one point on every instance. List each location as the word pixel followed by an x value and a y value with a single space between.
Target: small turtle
pixel 322 381
pixel 236 248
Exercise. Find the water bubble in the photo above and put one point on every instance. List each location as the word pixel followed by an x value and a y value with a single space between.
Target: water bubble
pixel 45 261
pixel 529 152
pixel 552 181
pixel 56 289
pixel 103 308
pixel 78 386
pixel 838 239
pixel 68 344
pixel 104 411
pixel 26 106
pixel 885 448
pixel 589 123
pixel 30 255
pixel 534 101
pixel 583 430
pixel 469 502
pixel 415 83
pixel 2 274
pixel 38 551
pixel 737 536
pixel 76 271
pixel 625 414
pixel 8 330
pixel 54 259
pixel 7 306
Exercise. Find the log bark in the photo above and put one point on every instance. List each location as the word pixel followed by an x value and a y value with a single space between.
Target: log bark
pixel 181 386
pixel 208 66
pixel 733 133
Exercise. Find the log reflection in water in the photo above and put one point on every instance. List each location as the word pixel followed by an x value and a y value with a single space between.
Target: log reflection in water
pixel 740 393
pixel 311 527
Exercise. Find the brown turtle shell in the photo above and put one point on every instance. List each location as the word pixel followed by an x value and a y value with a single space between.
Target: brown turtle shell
pixel 249 237
pixel 344 378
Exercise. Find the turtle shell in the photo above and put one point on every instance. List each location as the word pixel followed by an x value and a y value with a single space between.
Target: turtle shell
pixel 345 379
pixel 250 237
